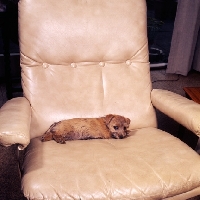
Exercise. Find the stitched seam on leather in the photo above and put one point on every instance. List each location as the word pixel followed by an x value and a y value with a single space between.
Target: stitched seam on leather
pixel 103 87
pixel 137 52
pixel 30 59
pixel 27 88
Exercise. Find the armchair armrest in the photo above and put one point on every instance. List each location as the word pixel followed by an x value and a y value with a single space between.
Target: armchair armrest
pixel 15 118
pixel 184 111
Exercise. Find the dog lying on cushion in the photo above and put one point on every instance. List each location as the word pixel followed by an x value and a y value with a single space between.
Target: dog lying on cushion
pixel 110 126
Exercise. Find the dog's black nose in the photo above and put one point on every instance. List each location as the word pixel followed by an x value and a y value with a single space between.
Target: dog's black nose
pixel 121 137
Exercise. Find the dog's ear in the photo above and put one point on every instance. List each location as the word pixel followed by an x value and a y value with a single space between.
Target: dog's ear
pixel 108 118
pixel 128 121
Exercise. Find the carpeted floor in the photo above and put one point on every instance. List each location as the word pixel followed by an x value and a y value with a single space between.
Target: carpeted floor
pixel 9 174
pixel 10 186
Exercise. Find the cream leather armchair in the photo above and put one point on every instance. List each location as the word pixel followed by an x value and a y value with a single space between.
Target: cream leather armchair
pixel 89 59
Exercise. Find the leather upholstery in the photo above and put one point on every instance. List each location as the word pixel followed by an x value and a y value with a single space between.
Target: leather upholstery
pixel 15 119
pixel 149 164
pixel 87 59
pixel 91 58
pixel 83 31
pixel 178 108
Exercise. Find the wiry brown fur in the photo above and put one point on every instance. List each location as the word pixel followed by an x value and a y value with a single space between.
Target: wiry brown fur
pixel 110 126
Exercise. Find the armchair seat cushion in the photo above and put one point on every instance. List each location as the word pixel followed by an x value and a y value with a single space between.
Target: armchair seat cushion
pixel 149 164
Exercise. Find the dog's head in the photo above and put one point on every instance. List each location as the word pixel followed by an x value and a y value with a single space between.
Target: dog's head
pixel 117 125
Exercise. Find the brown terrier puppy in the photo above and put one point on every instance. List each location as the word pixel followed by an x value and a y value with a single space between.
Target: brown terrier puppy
pixel 110 126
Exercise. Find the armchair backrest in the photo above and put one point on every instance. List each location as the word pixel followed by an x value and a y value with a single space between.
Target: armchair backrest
pixel 85 58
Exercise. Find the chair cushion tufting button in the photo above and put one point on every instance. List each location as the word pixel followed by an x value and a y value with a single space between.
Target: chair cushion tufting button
pixel 45 65
pixel 73 65
pixel 128 62
pixel 102 64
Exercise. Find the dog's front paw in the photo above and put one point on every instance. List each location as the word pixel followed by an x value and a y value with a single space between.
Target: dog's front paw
pixel 59 140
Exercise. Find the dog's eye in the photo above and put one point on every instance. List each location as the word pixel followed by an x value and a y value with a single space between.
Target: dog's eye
pixel 125 128
pixel 116 127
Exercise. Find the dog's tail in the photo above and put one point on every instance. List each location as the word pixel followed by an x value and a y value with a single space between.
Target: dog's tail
pixel 48 135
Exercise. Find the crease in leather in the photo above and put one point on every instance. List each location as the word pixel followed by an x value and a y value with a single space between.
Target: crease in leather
pixel 138 52
pixel 23 74
pixel 146 57
pixel 28 62
pixel 164 186
pixel 107 195
pixel 101 176
pixel 24 86
pixel 133 183
pixel 149 85
pixel 103 87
